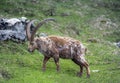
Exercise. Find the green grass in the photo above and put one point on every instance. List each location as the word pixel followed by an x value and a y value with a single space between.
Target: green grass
pixel 19 66
pixel 26 68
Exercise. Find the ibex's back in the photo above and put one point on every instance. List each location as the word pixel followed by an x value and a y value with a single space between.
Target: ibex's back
pixel 58 47
pixel 68 47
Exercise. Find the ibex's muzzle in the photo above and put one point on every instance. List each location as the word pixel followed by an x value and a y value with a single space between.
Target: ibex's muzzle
pixel 29 50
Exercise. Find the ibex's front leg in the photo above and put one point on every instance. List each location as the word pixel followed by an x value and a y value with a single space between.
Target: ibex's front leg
pixel 56 59
pixel 44 62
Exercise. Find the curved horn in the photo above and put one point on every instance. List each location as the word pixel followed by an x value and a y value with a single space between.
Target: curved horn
pixel 28 30
pixel 39 25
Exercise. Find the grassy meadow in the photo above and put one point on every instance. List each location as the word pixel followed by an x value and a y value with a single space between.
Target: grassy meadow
pixel 94 22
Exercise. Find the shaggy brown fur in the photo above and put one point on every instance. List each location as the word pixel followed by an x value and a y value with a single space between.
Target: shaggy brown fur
pixel 59 47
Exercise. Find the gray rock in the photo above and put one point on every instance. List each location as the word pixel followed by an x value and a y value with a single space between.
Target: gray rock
pixel 13 29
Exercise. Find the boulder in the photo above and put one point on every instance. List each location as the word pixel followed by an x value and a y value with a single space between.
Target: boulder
pixel 14 29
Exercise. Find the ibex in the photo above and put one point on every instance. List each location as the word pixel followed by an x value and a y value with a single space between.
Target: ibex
pixel 57 47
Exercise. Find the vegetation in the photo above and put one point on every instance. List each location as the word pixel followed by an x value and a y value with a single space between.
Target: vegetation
pixel 94 22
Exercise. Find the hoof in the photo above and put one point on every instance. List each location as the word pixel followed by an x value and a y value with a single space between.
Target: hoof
pixel 88 76
pixel 58 71
pixel 43 69
pixel 79 74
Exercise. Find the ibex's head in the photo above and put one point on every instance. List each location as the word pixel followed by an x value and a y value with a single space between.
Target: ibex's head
pixel 32 45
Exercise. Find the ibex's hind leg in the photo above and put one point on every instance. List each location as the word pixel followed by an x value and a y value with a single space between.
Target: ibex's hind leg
pixel 81 67
pixel 82 62
pixel 44 62
pixel 85 64
pixel 81 71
